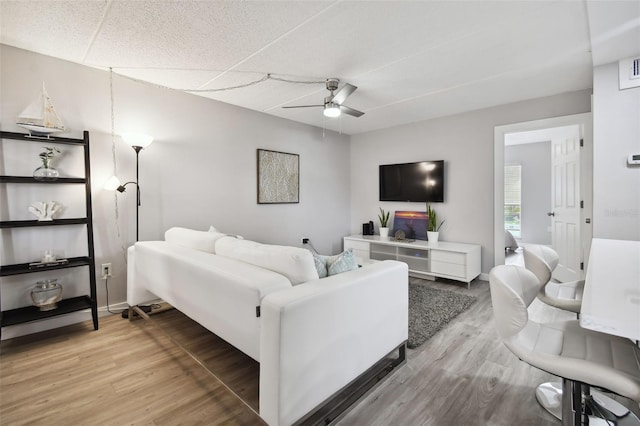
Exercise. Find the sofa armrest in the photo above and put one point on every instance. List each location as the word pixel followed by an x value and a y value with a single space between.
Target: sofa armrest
pixel 219 293
pixel 136 294
pixel 319 336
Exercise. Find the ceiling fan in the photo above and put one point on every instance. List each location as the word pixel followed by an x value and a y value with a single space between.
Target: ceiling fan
pixel 333 103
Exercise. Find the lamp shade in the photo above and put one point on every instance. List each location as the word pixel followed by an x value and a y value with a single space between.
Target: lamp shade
pixel 331 110
pixel 112 183
pixel 137 139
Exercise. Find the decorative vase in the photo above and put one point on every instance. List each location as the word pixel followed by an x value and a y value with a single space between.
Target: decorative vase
pixel 384 232
pixel 45 172
pixel 432 237
pixel 46 294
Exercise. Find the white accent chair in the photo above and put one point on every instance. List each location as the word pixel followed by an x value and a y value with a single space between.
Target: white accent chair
pixel 542 260
pixel 581 357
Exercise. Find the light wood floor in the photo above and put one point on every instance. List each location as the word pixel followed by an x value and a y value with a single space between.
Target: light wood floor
pixel 124 373
pixel 132 373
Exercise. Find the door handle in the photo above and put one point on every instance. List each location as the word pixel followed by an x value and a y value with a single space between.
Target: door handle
pixel 551 214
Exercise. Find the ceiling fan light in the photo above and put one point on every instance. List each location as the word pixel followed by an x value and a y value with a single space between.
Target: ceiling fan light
pixel 331 110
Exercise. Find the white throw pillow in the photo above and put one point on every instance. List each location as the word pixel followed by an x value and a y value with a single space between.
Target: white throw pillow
pixel 295 263
pixel 198 240
pixel 213 229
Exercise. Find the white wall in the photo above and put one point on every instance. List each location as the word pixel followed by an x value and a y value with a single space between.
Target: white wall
pixel 200 170
pixel 535 159
pixel 465 141
pixel 616 128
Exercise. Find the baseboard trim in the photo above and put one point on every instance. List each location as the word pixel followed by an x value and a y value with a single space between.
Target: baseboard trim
pixel 114 307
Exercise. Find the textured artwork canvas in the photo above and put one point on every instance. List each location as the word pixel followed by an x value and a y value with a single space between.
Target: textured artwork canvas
pixel 278 177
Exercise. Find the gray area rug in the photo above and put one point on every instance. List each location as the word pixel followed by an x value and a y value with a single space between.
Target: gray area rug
pixel 430 310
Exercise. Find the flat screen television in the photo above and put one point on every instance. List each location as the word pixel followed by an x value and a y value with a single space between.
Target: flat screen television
pixel 416 182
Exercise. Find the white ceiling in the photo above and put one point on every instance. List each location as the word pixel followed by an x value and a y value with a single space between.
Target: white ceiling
pixel 412 60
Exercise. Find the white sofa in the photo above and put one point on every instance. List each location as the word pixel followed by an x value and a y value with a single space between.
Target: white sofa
pixel 311 336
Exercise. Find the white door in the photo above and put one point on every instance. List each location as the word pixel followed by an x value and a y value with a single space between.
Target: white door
pixel 565 214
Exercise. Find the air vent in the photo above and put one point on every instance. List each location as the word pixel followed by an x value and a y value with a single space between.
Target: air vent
pixel 629 73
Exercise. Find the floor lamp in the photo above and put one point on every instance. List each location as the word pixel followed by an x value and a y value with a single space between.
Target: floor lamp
pixel 138 142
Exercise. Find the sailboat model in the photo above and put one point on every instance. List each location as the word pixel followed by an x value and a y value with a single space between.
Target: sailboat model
pixel 40 117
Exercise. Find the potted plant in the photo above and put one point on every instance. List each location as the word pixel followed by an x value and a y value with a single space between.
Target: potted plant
pixel 433 229
pixel 384 221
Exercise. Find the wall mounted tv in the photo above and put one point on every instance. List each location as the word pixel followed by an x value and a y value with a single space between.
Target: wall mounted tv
pixel 416 182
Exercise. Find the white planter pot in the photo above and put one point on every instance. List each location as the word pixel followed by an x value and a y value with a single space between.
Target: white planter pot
pixel 432 236
pixel 384 232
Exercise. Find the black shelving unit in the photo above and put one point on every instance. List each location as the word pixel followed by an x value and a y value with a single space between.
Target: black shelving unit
pixel 68 305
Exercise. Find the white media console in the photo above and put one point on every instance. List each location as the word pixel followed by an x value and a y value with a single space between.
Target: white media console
pixel 455 261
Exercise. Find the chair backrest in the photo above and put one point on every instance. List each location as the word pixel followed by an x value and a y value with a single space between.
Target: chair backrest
pixel 541 260
pixel 513 288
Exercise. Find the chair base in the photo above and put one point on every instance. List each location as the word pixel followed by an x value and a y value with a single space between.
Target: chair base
pixel 549 395
pixel 607 413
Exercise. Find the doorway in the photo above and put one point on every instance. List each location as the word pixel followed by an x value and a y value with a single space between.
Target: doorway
pixel 557 203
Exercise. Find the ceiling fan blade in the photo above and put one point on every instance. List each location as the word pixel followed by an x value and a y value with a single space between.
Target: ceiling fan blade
pixel 343 93
pixel 302 106
pixel 351 111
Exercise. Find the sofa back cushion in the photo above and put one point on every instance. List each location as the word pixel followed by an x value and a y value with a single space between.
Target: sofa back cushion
pixel 293 262
pixel 198 240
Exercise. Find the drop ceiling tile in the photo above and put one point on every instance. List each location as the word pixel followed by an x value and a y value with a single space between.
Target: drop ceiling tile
pixel 265 94
pixel 411 60
pixel 175 79
pixel 56 28
pixel 507 89
pixel 615 30
pixel 209 35
pixel 270 94
pixel 482 56
pixel 357 37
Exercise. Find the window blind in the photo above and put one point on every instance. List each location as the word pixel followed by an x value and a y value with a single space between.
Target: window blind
pixel 512 184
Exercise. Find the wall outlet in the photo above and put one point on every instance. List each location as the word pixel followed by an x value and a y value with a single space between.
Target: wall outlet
pixel 305 240
pixel 106 270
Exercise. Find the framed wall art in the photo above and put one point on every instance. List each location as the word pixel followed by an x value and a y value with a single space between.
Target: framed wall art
pixel 278 177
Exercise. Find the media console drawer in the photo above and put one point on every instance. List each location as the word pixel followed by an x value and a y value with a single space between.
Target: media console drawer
pixel 448 257
pixel 453 269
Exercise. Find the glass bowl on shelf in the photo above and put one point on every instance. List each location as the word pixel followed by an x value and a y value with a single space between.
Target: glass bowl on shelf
pixel 46 294
pixel 45 173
